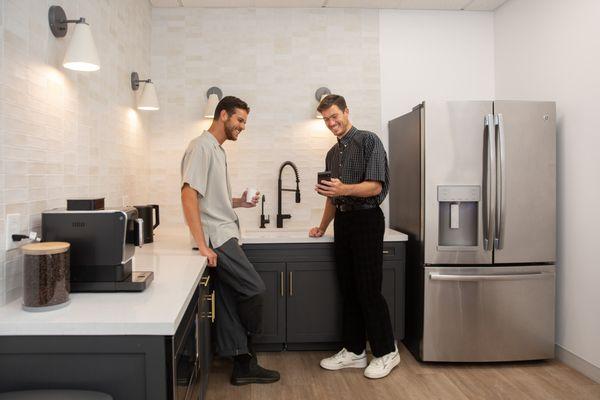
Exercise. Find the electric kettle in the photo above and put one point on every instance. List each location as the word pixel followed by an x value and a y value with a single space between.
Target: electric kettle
pixel 150 214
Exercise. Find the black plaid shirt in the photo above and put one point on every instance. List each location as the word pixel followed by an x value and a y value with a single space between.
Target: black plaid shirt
pixel 357 157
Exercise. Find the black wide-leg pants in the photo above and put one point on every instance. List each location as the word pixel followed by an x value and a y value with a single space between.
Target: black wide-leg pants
pixel 359 265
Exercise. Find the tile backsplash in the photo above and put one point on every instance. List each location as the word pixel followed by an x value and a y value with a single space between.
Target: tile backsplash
pixel 63 133
pixel 274 59
pixel 67 134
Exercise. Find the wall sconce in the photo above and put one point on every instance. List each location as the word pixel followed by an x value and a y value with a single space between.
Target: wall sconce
pixel 148 99
pixel 213 95
pixel 319 94
pixel 81 54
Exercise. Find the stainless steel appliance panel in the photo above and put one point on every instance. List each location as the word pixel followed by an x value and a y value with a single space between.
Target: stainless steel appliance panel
pixel 488 313
pixel 457 152
pixel 406 173
pixel 526 182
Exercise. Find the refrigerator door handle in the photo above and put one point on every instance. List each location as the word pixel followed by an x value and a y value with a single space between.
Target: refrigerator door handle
pixel 489 161
pixel 474 278
pixel 500 182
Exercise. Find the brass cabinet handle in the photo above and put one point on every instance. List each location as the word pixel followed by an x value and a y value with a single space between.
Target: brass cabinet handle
pixel 204 280
pixel 197 322
pixel 211 314
pixel 213 309
pixel 291 283
pixel 281 283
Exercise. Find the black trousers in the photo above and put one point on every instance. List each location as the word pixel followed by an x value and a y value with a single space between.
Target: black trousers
pixel 359 265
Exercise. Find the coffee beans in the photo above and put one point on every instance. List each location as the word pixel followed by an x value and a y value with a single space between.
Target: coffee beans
pixel 46 275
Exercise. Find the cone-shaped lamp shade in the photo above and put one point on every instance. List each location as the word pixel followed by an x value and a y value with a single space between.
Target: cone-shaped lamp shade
pixel 81 54
pixel 148 99
pixel 318 114
pixel 211 105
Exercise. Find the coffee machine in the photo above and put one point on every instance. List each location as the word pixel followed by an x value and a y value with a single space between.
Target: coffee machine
pixel 102 247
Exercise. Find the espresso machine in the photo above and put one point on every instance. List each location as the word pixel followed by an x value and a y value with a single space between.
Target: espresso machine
pixel 103 243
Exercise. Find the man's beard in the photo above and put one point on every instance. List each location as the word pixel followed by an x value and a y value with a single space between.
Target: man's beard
pixel 229 132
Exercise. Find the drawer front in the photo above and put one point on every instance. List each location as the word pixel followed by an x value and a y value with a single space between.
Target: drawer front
pixel 393 251
pixel 489 313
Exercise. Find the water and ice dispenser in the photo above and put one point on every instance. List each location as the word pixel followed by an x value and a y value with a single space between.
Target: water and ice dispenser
pixel 458 211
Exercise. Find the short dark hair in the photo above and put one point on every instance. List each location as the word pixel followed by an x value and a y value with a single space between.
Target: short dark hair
pixel 330 100
pixel 229 104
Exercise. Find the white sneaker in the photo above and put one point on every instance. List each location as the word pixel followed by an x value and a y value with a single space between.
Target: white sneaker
pixel 382 366
pixel 345 359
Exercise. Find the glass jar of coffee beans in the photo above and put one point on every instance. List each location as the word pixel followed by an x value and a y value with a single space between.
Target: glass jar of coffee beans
pixel 46 273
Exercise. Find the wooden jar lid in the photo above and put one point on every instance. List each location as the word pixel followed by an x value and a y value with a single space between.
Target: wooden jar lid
pixel 45 248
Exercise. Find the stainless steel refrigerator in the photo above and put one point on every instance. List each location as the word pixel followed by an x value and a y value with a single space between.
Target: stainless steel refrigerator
pixel 473 184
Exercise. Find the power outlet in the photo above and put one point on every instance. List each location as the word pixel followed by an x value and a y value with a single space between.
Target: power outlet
pixel 13 226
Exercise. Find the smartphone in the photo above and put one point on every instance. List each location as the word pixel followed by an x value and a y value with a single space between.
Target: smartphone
pixel 323 176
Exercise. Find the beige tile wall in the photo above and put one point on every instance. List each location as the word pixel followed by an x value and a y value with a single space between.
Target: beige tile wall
pixel 63 133
pixel 274 59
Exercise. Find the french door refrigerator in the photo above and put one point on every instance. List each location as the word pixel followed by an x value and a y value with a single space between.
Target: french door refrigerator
pixel 473 185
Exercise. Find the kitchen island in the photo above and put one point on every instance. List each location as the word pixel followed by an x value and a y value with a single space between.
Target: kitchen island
pixel 153 344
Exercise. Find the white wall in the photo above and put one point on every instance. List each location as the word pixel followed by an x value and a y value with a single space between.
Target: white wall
pixel 275 59
pixel 549 50
pixel 433 55
pixel 66 134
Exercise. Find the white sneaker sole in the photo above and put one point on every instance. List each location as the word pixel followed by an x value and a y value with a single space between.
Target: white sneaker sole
pixel 386 372
pixel 360 363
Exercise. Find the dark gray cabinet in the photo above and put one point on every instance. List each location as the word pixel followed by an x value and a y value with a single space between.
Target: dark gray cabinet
pixel 144 367
pixel 273 275
pixel 303 301
pixel 314 303
pixel 206 309
pixel 393 290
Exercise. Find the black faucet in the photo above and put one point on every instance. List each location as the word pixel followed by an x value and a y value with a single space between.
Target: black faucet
pixel 263 220
pixel 280 216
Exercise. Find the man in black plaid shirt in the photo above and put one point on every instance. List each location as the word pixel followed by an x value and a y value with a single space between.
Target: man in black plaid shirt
pixel 359 183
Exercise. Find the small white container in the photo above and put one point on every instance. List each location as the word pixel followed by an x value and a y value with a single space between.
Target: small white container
pixel 250 193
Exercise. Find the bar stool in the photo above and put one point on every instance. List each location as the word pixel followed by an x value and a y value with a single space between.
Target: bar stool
pixel 55 395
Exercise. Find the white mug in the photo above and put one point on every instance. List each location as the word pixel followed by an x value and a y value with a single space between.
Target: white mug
pixel 250 193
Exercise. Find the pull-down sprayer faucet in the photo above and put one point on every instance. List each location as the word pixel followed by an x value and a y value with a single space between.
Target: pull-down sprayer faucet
pixel 281 217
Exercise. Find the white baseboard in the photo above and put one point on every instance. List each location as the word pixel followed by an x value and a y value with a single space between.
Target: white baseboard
pixel 578 363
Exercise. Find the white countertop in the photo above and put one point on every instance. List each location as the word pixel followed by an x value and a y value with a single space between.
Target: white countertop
pixel 300 235
pixel 158 310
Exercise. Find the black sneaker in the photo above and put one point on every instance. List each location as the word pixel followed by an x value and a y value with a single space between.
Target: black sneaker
pixel 251 372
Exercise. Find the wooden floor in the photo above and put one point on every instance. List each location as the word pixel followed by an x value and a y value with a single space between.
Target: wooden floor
pixel 303 379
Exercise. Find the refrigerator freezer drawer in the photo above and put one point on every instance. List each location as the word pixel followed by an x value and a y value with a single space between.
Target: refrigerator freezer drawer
pixel 488 313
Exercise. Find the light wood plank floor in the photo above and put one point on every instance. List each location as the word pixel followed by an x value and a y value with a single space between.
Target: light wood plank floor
pixel 303 379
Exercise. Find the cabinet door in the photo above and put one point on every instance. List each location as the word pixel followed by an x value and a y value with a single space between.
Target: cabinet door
pixel 392 289
pixel 204 332
pixel 314 307
pixel 273 275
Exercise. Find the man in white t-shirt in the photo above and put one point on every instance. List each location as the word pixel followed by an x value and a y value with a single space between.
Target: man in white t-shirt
pixel 208 208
